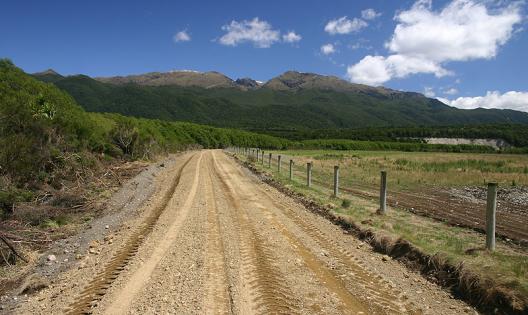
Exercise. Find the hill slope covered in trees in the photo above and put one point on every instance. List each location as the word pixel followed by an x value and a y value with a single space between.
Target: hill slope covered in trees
pixel 44 133
pixel 293 101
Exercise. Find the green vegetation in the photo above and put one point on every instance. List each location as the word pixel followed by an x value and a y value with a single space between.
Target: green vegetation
pixel 515 135
pixel 340 144
pixel 268 109
pixel 408 170
pixel 46 138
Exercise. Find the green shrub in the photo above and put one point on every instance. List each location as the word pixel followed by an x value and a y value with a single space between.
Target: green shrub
pixel 9 197
pixel 49 223
pixel 43 132
pixel 343 144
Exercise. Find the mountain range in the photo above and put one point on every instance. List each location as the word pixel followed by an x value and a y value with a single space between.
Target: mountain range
pixel 292 100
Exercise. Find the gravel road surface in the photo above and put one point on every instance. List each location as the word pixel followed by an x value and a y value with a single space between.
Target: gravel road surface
pixel 223 242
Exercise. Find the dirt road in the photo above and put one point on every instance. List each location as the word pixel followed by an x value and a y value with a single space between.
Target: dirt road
pixel 215 240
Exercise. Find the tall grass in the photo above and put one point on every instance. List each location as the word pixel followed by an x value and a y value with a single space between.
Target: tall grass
pixel 413 169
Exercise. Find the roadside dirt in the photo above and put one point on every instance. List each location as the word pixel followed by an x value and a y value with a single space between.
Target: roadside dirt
pixel 458 207
pixel 226 243
pixel 465 207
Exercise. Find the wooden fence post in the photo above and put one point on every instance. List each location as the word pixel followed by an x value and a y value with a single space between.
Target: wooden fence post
pixel 383 193
pixel 269 161
pixel 278 164
pixel 309 174
pixel 490 216
pixel 291 169
pixel 336 180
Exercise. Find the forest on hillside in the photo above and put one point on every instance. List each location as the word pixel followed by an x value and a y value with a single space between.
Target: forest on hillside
pixel 46 137
pixel 515 134
pixel 269 109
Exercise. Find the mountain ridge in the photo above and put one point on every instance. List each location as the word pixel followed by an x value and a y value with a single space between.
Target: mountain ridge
pixel 291 100
pixel 289 80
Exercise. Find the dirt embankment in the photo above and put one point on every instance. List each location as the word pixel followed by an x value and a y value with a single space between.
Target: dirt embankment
pixel 494 143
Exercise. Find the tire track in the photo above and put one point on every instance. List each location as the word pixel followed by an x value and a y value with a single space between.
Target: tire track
pixel 218 290
pixel 267 292
pixel 96 289
pixel 140 277
pixel 351 268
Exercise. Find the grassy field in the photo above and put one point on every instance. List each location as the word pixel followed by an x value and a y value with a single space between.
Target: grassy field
pixel 413 169
pixel 508 265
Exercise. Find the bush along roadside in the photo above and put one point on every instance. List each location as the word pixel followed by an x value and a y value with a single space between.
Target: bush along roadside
pixel 48 141
pixel 59 163
pixel 486 294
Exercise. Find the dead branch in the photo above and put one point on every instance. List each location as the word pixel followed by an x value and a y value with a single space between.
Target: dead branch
pixel 12 249
pixel 5 258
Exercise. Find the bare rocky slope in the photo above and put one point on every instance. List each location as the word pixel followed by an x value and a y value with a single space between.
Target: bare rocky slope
pixel 206 80
pixel 288 81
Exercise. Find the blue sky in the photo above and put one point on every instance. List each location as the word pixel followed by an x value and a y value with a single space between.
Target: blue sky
pixel 468 53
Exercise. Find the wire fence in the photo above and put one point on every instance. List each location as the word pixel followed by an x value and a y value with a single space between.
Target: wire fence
pixel 343 179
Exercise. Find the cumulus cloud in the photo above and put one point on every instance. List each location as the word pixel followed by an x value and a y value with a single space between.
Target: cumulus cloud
pixel 375 70
pixel 424 39
pixel 369 14
pixel 463 30
pixel 328 49
pixel 291 37
pixel 493 99
pixel 344 25
pixel 259 32
pixel 182 36
pixel 370 70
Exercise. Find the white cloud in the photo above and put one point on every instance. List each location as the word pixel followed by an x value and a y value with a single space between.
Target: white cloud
pixel 443 100
pixel 291 37
pixel 344 26
pixel 328 49
pixel 369 14
pixel 429 91
pixel 451 91
pixel 260 33
pixel 463 30
pixel 375 70
pixel 371 70
pixel 182 36
pixel 424 40
pixel 493 99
